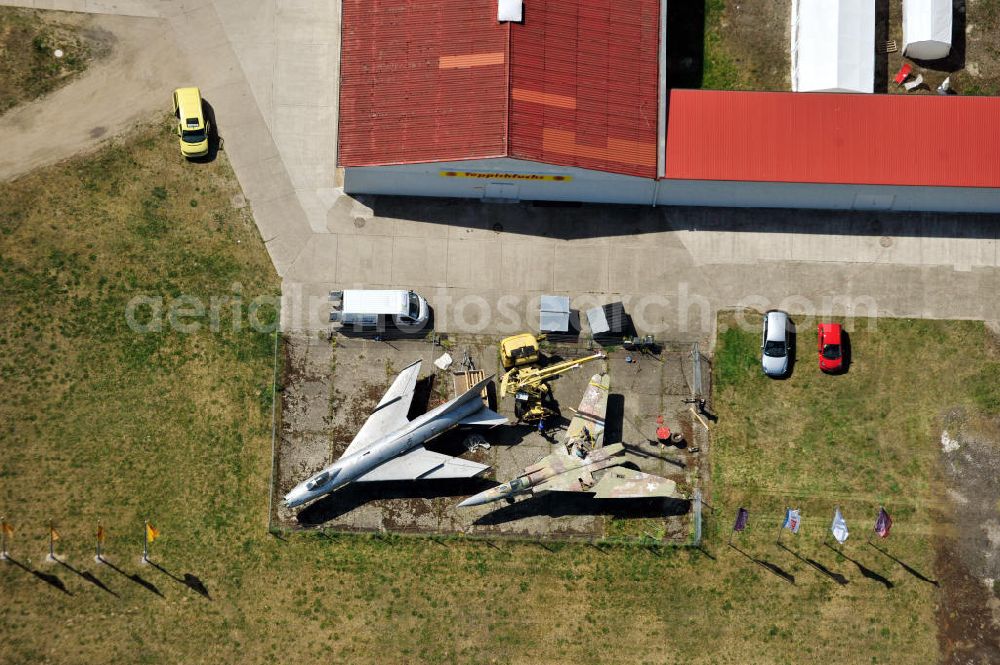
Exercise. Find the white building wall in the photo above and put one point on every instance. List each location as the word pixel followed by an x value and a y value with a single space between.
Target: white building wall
pixel 597 187
pixel 426 180
pixel 838 197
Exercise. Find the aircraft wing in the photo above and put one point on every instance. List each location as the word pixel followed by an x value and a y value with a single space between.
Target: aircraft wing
pixel 623 483
pixel 571 473
pixel 420 464
pixel 587 425
pixel 574 480
pixel 390 414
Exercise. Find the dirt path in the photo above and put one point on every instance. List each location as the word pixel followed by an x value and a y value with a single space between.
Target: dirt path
pixel 133 81
pixel 968 561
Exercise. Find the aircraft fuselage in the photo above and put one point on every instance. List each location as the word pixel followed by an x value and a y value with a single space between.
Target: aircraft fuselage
pixel 351 467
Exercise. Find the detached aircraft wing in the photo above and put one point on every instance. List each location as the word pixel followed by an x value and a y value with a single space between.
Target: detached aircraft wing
pixel 390 414
pixel 587 425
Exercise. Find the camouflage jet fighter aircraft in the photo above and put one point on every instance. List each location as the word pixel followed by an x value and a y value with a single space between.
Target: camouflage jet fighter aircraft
pixel 584 464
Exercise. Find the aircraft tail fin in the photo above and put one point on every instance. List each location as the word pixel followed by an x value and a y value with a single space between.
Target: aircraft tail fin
pixel 475 392
pixel 484 417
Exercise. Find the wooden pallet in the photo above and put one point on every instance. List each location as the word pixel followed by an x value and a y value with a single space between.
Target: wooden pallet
pixel 466 379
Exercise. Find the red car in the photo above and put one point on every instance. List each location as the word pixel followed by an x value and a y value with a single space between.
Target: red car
pixel 831 352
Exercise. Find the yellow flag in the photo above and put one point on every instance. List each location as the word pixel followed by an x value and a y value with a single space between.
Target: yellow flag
pixel 100 533
pixel 55 534
pixel 152 533
pixel 8 529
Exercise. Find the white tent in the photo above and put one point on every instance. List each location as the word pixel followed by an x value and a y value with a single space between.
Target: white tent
pixel 927 29
pixel 833 45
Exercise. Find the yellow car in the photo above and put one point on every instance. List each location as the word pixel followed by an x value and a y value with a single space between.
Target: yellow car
pixel 192 127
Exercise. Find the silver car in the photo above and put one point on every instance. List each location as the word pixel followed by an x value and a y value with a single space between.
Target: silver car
pixel 774 343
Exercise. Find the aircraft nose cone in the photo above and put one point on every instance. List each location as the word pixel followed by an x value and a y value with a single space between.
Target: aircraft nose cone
pixel 479 499
pixel 294 498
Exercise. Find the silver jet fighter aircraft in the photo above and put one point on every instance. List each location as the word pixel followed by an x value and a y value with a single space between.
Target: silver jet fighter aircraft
pixel 390 447
pixel 583 464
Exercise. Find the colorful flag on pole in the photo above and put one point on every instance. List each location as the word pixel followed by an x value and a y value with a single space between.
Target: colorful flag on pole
pixel 54 533
pixel 100 533
pixel 839 527
pixel 742 517
pixel 792 520
pixel 8 529
pixel 152 533
pixel 883 523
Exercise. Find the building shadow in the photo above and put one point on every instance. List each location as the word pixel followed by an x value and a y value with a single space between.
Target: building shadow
pixel 571 335
pixel 87 575
pixel 882 17
pixel 355 495
pixel 135 577
pixel 864 570
pixel 53 581
pixel 562 504
pixel 912 571
pixel 767 565
pixel 955 60
pixel 823 570
pixel 189 580
pixel 620 325
pixel 614 419
pixel 423 389
pixel 685 44
pixel 607 221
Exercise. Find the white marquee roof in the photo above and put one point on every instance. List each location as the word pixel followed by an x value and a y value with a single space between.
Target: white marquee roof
pixel 833 45
pixel 927 28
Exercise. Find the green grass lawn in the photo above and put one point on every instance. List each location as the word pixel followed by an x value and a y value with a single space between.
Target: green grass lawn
pixel 866 438
pixel 746 46
pixel 28 42
pixel 101 422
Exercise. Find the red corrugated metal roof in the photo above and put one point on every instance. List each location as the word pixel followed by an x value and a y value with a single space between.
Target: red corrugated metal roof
pixel 437 80
pixel 421 81
pixel 834 138
pixel 583 78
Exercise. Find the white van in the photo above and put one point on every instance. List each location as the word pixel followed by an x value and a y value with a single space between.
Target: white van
pixel 369 308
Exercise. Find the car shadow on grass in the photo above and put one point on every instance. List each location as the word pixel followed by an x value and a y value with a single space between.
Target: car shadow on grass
pixel 845 355
pixel 845 350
